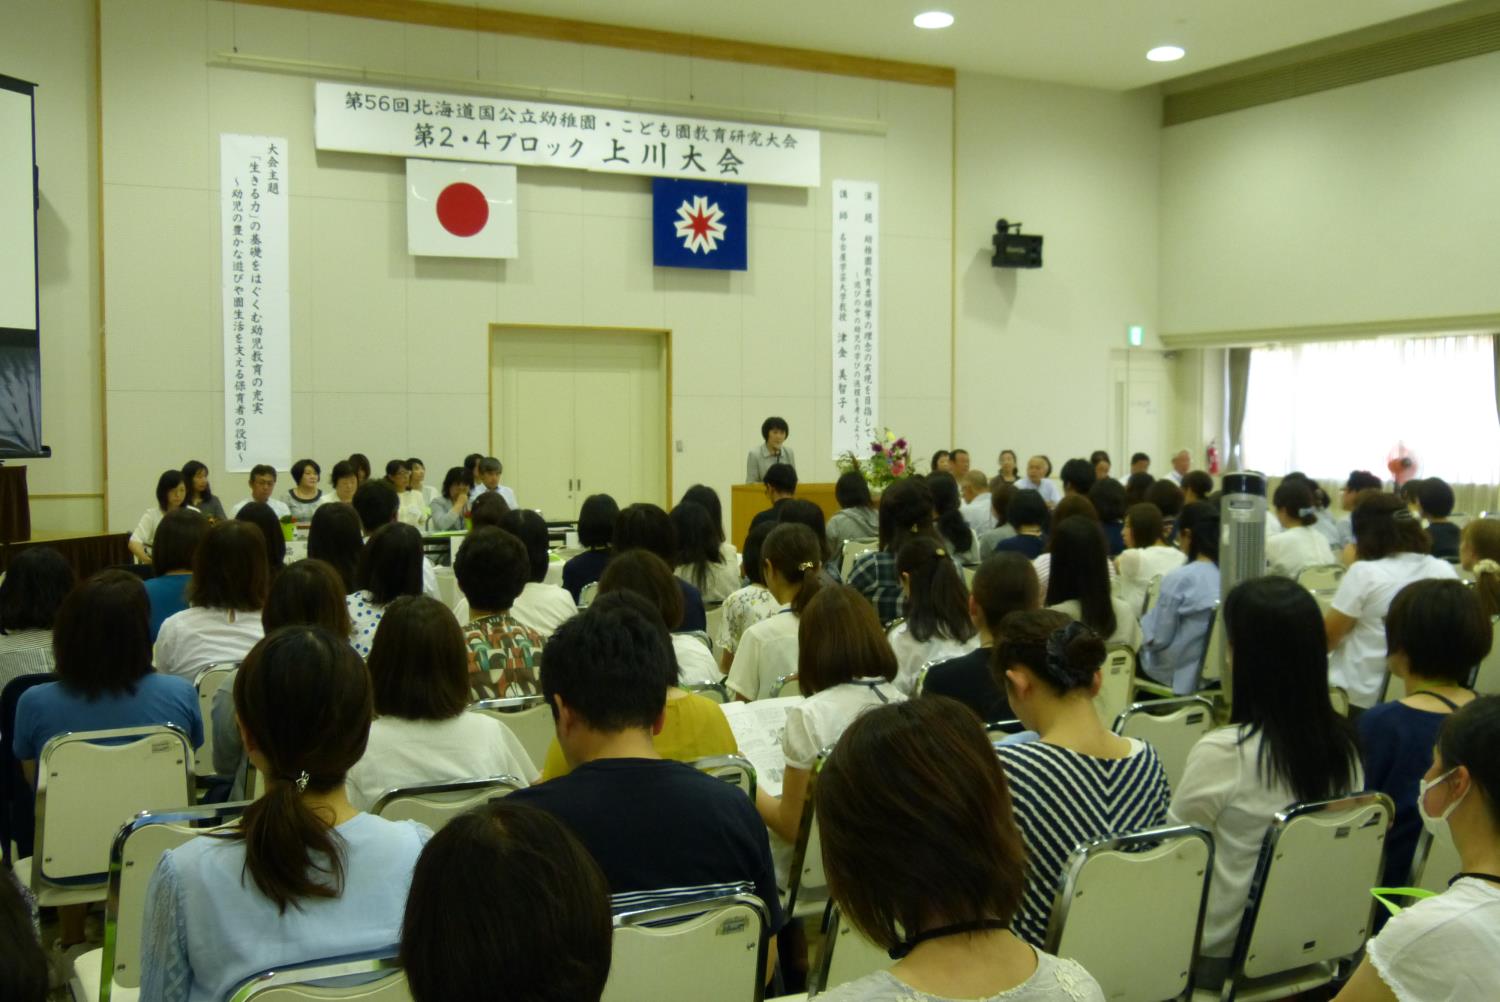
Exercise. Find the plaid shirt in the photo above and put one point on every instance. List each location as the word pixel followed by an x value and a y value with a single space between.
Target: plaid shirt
pixel 504 657
pixel 874 576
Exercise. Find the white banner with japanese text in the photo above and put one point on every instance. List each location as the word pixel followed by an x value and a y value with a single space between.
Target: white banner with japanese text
pixel 257 302
pixel 411 123
pixel 856 316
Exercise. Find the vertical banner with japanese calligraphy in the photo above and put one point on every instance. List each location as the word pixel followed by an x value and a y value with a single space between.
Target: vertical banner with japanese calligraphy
pixel 856 316
pixel 257 302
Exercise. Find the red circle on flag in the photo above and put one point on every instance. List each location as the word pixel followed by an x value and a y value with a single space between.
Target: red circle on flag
pixel 462 209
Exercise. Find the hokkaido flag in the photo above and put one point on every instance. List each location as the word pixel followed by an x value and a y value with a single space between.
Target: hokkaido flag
pixel 698 224
pixel 460 209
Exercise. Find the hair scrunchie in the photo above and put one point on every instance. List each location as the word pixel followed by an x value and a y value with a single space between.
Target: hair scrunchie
pixel 1486 566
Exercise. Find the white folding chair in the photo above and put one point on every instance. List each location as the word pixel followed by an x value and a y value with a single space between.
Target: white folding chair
pixel 113 972
pixel 1210 664
pixel 1321 577
pixel 847 955
pixel 1116 678
pixel 374 977
pixel 1096 916
pixel 715 617
pixel 86 790
pixel 807 884
pixel 529 719
pixel 1310 910
pixel 208 681
pixel 734 769
pixel 1170 726
pixel 716 691
pixel 1487 675
pixel 586 594
pixel 1339 700
pixel 1395 687
pixel 786 685
pixel 1153 592
pixel 435 804
pixel 1436 861
pixel 854 548
pixel 707 950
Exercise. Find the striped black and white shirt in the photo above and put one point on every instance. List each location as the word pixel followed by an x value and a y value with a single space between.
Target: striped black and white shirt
pixel 1062 798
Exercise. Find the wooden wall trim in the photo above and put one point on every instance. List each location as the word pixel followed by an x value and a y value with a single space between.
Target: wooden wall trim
pixel 557 29
pixel 1478 323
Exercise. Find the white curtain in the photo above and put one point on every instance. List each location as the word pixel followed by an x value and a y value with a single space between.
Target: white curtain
pixel 1328 408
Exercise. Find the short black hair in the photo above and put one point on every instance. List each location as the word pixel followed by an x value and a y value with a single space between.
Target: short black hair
pixel 1027 508
pixel 596 520
pixel 1199 482
pixel 361 463
pixel 1201 519
pixel 1362 480
pixel 342 470
pixel 1441 629
pixel 1167 496
pixel 491 568
pixel 300 467
pixel 1108 497
pixel 263 517
pixel 419 665
pixel 531 529
pixel 488 509
pixel 455 475
pixel 261 470
pixel 391 563
pixel 606 664
pixel 1436 498
pixel 395 466
pixel 1139 457
pixel 645 527
pixel 750 558
pixel 1078 474
pixel 168 482
pixel 490 464
pixel 781 478
pixel 771 424
pixel 177 539
pixel 376 504
pixel 35 584
pixel 102 638
pixel 229 568
pixel 1137 485
pixel 852 491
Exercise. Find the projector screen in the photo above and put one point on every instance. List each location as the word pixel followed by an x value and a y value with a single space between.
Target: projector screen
pixel 20 364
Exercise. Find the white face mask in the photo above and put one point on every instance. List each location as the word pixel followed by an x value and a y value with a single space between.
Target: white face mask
pixel 1434 823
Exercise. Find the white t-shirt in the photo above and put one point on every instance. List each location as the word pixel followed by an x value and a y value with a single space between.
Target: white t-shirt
pixel 1443 949
pixel 912 654
pixel 145 530
pixel 695 662
pixel 821 719
pixel 722 580
pixel 1127 623
pixel 1138 565
pixel 281 508
pixel 767 651
pixel 416 752
pixel 1365 594
pixel 543 607
pixel 198 636
pixel 1292 550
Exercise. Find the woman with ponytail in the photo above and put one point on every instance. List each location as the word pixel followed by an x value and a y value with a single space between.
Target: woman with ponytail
pixel 792 564
pixel 1479 552
pixel 905 511
pixel 305 876
pixel 936 625
pixel 1299 544
pixel 947 504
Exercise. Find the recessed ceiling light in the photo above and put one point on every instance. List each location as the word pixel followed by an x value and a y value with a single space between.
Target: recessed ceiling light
pixel 1166 53
pixel 933 19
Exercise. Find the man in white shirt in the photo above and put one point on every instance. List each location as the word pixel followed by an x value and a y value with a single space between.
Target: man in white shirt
pixel 377 504
pixel 977 509
pixel 262 485
pixel 490 469
pixel 1038 470
pixel 1180 466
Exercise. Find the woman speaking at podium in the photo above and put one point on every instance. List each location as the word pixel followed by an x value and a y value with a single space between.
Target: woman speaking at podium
pixel 773 450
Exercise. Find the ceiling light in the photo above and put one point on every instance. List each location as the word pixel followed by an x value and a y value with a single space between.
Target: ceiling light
pixel 933 19
pixel 1166 53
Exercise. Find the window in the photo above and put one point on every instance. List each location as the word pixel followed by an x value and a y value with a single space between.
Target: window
pixel 1328 408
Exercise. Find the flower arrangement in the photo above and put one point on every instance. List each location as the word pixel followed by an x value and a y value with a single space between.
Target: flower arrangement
pixel 889 461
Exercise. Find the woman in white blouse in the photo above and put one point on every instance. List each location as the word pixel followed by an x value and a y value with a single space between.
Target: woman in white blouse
pixel 792 562
pixel 1146 555
pixel 171 489
pixel 1078 584
pixel 936 624
pixel 1300 544
pixel 701 560
pixel 225 597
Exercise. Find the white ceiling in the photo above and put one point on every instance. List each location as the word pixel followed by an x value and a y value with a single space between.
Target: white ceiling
pixel 1094 43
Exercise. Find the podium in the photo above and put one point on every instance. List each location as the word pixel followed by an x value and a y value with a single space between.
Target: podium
pixel 748 500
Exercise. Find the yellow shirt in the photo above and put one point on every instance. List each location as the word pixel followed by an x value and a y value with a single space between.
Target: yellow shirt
pixel 693 727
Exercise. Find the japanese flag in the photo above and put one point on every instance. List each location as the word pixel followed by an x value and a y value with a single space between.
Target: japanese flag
pixel 458 209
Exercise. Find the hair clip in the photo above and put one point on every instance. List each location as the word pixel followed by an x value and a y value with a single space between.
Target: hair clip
pixel 941 552
pixel 806 565
pixel 1304 512
pixel 302 781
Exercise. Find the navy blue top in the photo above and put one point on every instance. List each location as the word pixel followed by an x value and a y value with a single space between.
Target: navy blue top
pixel 1114 535
pixel 1445 537
pixel 694 615
pixel 584 569
pixel 1029 547
pixel 1396 741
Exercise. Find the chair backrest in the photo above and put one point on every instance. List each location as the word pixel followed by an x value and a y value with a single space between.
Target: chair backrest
pixel 847 955
pixel 1338 698
pixel 1330 852
pixel 786 685
pixel 1170 726
pixel 1321 577
pixel 1116 682
pixel 586 594
pixel 208 681
pixel 435 804
pixel 806 878
pixel 854 548
pixel 529 719
pixel 1153 592
pixel 735 769
pixel 714 617
pixel 89 783
pixel 378 978
pixel 1487 676
pixel 1212 669
pixel 701 636
pixel 1395 687
pixel 716 691
pixel 709 950
pixel 1436 860
pixel 1096 914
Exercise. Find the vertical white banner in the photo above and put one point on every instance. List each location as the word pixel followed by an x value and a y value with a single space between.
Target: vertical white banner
pixel 856 316
pixel 257 302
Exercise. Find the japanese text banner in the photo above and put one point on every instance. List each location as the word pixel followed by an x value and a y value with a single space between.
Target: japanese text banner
pixel 856 316
pixel 410 123
pixel 257 302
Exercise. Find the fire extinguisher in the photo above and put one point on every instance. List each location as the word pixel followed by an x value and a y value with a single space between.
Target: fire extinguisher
pixel 1213 456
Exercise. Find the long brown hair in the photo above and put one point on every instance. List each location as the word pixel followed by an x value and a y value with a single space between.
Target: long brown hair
pixel 797 556
pixel 1483 537
pixel 839 639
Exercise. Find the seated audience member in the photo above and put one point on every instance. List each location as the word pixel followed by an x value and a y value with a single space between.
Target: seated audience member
pixel 487 509
pixel 856 517
pixel 1359 481
pixel 305 496
pixel 596 523
pixel 345 482
pixel 390 566
pixel 1146 556
pixel 412 507
pixel 750 604
pixel 336 538
pixel 806 513
pixel 378 504
pixel 1392 553
pixel 491 569
pixel 1435 635
pixel 471 917
pixel 936 624
pixel 1182 461
pixel 1435 498
pixel 692 726
pixel 700 557
pixel 305 875
pixel 641 572
pixel 905 510
pixel 262 486
pixel 419 671
pixel 958 461
pixel 264 519
pixel 1327 524
pixel 1299 545
pixel 977 508
pixel 104 681
pixel 647 527
pixel 771 453
pixel 448 509
pixel 1175 630
pixel 1077 477
pixel 1167 497
pixel 1196 486
pixel 1074 505
pixel 1004 583
pixel 1285 744
pixel 1050 667
pixel 951 526
pixel 31 592
pixel 1028 516
pixel 709 498
pixel 1444 947
pixel 1099 459
pixel 199 494
pixel 23 963
pixel 1408 492
pixel 925 860
pixel 360 463
pixel 1000 495
pixel 1078 583
pixel 542 606
pixel 781 486
pixel 845 667
pixel 489 472
pixel 225 596
pixel 942 462
pixel 1038 472
pixel 791 563
pixel 1008 467
pixel 170 492
pixel 1108 498
pixel 1479 553
pixel 1140 463
pixel 471 468
pixel 177 540
pixel 418 481
pixel 1136 487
